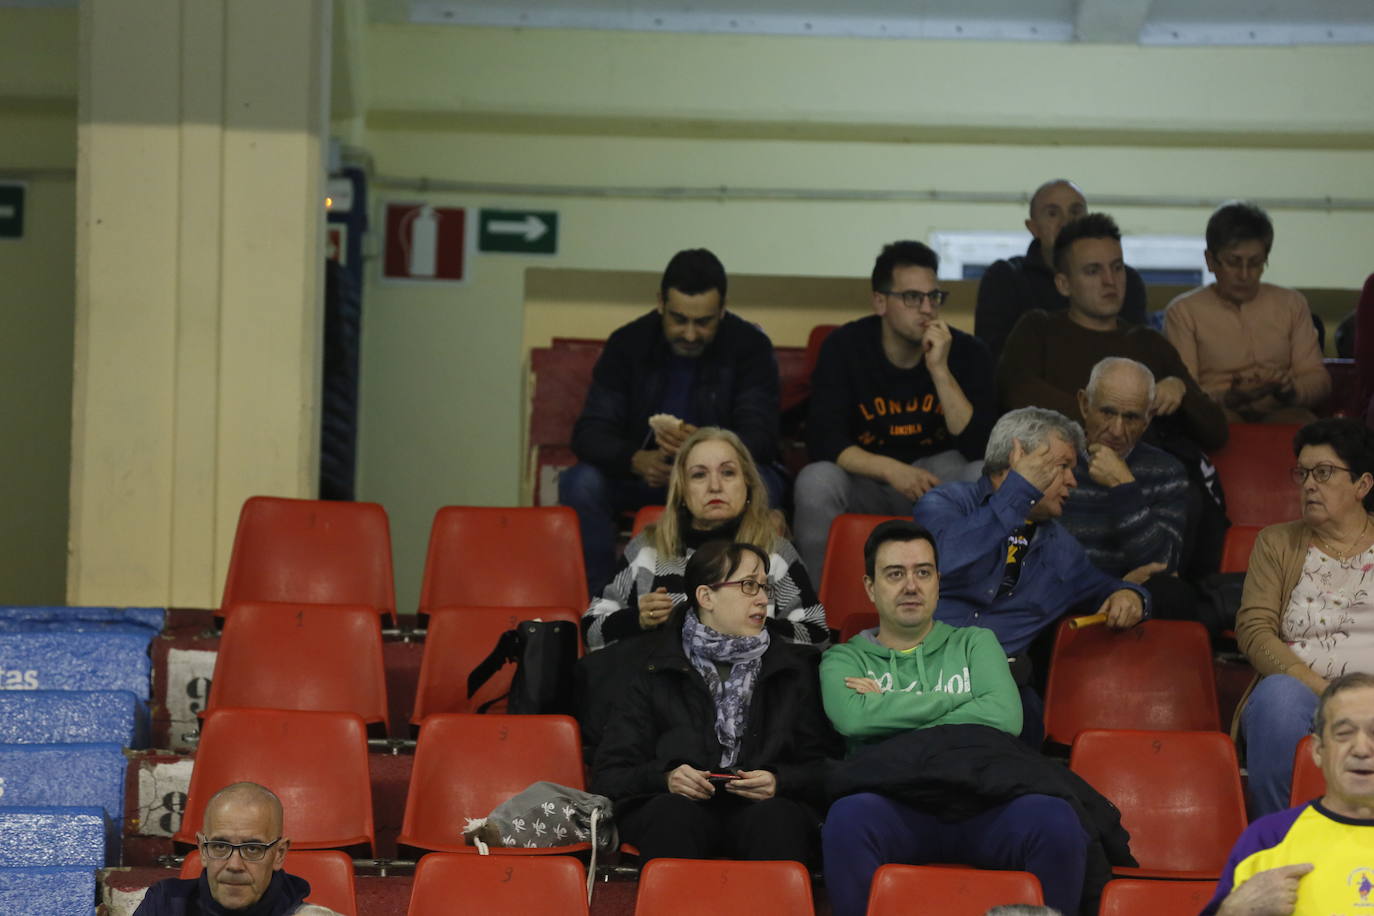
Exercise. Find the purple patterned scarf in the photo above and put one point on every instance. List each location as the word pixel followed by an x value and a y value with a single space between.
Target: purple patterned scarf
pixel 705 647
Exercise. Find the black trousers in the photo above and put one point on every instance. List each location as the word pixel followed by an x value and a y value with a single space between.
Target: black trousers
pixel 674 826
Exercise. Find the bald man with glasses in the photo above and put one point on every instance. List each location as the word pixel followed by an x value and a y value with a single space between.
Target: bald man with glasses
pixel 900 402
pixel 243 851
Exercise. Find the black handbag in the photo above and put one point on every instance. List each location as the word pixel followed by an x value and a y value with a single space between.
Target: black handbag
pixel 544 652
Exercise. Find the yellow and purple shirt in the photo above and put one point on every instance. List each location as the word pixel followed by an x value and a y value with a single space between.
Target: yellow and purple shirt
pixel 1340 849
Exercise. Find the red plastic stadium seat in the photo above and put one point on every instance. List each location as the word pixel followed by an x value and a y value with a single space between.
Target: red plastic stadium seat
pixel 1157 675
pixel 316 763
pixel 1308 780
pixel 301 656
pixel 310 551
pixel 1130 897
pixel 329 871
pixel 1254 468
pixel 1235 550
pixel 842 581
pixel 504 557
pixel 646 516
pixel 960 891
pixel 448 884
pixel 466 765
pixel 710 887
pixel 457 640
pixel 1179 795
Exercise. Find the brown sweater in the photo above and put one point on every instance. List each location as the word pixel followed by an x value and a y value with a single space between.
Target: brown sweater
pixel 1048 358
pixel 1275 568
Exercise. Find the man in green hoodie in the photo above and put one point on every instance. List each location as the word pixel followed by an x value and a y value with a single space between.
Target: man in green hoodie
pixel 915 672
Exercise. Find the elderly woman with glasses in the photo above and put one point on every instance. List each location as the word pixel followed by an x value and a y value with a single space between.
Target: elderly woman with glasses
pixel 714 493
pixel 1307 612
pixel 718 746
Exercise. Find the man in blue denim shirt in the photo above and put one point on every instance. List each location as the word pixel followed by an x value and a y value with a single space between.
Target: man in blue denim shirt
pixel 1005 564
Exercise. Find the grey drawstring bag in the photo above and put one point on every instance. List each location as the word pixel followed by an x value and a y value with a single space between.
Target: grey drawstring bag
pixel 547 815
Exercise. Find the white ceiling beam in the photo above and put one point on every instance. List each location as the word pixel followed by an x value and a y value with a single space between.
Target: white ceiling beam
pixel 1110 21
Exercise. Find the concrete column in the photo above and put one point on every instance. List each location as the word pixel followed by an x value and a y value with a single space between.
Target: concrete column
pixel 200 176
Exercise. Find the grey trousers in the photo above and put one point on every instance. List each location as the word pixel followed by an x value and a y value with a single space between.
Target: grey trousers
pixel 825 490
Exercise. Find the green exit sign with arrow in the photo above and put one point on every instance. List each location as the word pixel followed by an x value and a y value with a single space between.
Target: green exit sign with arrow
pixel 518 231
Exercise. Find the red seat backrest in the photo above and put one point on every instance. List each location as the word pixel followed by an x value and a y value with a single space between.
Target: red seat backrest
pixel 466 765
pixel 960 891
pixel 1179 794
pixel 710 887
pixel 1254 468
pixel 1235 550
pixel 315 762
pixel 457 640
pixel 1157 675
pixel 498 884
pixel 1134 897
pixel 301 656
pixel 509 557
pixel 1308 779
pixel 311 551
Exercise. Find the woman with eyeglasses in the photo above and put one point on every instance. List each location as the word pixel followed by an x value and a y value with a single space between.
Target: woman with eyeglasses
pixel 1307 612
pixel 718 745
pixel 714 493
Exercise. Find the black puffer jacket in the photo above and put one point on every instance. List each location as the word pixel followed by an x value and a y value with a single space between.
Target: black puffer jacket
pixel 666 718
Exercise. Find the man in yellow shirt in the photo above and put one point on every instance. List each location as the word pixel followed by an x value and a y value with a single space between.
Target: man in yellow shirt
pixel 1316 859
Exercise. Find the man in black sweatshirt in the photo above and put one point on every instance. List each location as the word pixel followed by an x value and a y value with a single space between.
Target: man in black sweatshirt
pixel 900 402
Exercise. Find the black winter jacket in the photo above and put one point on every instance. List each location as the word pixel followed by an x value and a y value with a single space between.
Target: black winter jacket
pixel 736 388
pixel 956 771
pixel 666 718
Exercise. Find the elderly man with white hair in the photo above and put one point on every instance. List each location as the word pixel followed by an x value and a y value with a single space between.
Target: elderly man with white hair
pixel 1130 509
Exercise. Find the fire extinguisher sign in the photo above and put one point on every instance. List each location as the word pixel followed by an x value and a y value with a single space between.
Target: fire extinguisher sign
pixel 425 243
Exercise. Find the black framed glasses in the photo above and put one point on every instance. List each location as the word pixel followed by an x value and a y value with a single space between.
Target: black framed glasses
pixel 914 298
pixel 249 852
pixel 749 587
pixel 1321 473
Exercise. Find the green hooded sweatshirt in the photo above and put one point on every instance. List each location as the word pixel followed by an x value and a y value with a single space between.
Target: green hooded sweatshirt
pixel 955 676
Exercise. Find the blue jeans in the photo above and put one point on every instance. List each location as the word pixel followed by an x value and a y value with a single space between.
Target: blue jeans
pixel 1034 833
pixel 1277 716
pixel 598 500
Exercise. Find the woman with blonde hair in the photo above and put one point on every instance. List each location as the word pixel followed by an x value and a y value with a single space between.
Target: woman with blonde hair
pixel 714 493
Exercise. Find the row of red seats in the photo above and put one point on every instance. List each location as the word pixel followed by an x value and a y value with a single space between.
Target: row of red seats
pixel 706 887
pixel 1179 792
pixel 1155 676
pixel 304 551
pixel 321 657
pixel 318 552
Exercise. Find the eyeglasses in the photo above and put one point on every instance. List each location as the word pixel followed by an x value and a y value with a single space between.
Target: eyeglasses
pixel 749 587
pixel 913 298
pixel 1321 473
pixel 249 852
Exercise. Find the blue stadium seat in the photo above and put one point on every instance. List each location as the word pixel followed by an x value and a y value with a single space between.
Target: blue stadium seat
pixel 47 891
pixel 50 836
pixel 51 658
pixel 78 618
pixel 72 717
pixel 66 774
